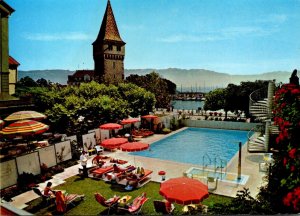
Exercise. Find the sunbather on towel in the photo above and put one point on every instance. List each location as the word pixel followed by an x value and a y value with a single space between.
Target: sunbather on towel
pixel 112 200
pixel 118 169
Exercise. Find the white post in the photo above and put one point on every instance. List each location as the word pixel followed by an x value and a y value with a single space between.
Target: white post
pixel 267 135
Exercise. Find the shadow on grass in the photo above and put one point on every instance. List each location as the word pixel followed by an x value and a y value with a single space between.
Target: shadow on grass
pixel 39 207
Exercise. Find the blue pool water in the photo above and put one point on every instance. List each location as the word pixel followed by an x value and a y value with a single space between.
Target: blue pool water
pixel 190 145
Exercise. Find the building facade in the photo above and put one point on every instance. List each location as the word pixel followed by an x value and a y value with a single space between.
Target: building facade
pixel 5 12
pixel 81 76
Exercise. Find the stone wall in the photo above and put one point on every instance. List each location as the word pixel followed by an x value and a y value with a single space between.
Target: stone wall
pixel 229 125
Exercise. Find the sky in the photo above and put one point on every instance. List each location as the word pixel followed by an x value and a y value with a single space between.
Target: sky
pixel 230 36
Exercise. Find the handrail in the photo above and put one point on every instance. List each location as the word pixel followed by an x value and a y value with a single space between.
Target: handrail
pixel 221 166
pixel 252 130
pixel 203 161
pixel 257 95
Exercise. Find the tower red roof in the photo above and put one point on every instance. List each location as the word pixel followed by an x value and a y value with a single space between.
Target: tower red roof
pixel 109 30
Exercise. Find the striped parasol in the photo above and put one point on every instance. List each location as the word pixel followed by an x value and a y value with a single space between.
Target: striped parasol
pixel 24 127
pixel 22 115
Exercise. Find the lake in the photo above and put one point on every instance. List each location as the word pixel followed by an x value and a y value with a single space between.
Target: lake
pixel 187 105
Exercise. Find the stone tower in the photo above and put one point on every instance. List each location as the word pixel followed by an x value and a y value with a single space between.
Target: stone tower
pixel 109 50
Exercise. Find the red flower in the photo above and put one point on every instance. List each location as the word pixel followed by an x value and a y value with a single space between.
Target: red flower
pixel 287 199
pixel 292 168
pixel 296 204
pixel 283 105
pixel 292 153
pixel 284 161
pixel 295 91
pixel 297 191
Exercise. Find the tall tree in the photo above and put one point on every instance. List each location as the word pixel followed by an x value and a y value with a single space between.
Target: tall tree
pixel 152 82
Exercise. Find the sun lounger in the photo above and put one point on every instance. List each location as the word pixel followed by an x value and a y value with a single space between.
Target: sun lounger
pixel 45 199
pixel 99 172
pixel 118 161
pixel 145 178
pixel 136 206
pixel 62 200
pixel 163 207
pixel 118 176
pixel 140 180
pixel 109 203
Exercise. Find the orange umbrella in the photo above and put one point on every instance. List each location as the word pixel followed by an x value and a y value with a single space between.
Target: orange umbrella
pixel 130 121
pixel 184 190
pixel 22 115
pixel 150 117
pixel 134 146
pixel 25 127
pixel 113 142
pixel 110 126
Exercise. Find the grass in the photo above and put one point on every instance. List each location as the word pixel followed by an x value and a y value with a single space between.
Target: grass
pixel 90 206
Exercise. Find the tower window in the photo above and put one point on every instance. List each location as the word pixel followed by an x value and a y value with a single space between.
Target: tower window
pixel 110 47
pixel 118 48
pixel 114 65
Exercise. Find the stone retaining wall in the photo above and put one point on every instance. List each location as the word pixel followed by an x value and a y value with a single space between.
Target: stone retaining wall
pixel 220 124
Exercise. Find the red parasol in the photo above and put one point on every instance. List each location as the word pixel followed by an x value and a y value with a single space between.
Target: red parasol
pixel 113 142
pixel 110 126
pixel 134 146
pixel 149 116
pixel 25 127
pixel 130 121
pixel 184 190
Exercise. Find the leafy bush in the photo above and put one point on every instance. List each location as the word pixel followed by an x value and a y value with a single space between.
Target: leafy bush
pixel 243 203
pixel 26 180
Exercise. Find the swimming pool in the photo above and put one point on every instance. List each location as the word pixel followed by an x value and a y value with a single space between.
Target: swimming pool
pixel 197 146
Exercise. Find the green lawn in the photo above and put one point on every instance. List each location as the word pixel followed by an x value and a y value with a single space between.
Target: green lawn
pixel 89 206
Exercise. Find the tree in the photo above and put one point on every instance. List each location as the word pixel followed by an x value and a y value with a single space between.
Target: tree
pixel 233 98
pixel 26 82
pixel 215 99
pixel 43 83
pixel 96 102
pixel 161 88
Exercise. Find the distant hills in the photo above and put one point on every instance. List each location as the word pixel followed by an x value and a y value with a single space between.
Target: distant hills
pixel 188 79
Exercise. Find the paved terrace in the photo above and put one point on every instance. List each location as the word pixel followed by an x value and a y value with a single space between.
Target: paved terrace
pixel 250 167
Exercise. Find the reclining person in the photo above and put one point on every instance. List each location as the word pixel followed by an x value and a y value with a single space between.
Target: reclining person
pixel 97 160
pixel 132 181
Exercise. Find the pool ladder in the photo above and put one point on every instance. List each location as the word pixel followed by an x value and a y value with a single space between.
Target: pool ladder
pixel 205 163
pixel 222 165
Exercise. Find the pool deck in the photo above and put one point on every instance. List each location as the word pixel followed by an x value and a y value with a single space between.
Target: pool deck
pixel 250 167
